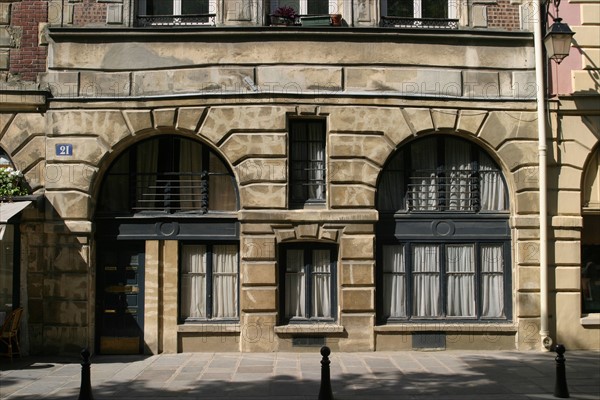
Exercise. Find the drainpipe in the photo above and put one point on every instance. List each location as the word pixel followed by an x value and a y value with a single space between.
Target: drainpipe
pixel 546 341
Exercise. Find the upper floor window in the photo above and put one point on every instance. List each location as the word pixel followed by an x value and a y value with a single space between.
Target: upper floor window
pixel 307 162
pixel 176 12
pixel 420 13
pixel 168 174
pixel 306 7
pixel 442 174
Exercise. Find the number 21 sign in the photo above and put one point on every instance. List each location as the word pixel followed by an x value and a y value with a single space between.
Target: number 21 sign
pixel 64 149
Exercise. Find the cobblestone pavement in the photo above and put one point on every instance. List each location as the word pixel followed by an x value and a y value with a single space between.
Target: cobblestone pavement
pixel 451 375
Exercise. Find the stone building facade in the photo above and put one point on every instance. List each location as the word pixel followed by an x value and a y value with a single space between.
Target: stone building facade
pixel 210 182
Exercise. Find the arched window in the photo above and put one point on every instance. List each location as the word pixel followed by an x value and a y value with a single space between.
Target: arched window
pixel 168 174
pixel 590 238
pixel 443 236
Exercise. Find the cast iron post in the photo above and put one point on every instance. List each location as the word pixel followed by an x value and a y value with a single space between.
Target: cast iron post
pixel 85 390
pixel 325 392
pixel 560 387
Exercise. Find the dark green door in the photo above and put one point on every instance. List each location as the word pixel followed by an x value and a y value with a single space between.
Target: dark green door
pixel 120 297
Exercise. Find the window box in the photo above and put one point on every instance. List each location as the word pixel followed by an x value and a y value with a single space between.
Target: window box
pixel 315 20
pixel 278 20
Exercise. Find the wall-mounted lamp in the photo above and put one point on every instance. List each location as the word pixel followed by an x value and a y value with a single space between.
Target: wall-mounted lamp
pixel 558 38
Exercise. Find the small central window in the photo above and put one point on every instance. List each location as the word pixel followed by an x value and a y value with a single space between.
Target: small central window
pixel 308 280
pixel 307 162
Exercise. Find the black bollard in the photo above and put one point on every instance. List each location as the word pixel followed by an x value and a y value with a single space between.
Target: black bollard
pixel 85 390
pixel 325 392
pixel 560 387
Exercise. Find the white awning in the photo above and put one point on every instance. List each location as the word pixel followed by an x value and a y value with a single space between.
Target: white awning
pixel 9 210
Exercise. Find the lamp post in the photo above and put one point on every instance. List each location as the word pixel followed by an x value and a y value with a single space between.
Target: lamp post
pixel 558 43
pixel 558 38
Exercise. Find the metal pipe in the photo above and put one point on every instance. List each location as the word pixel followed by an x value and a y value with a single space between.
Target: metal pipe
pixel 546 341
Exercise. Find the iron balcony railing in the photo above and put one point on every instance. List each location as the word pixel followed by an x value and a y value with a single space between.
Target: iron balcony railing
pixel 172 192
pixel 176 20
pixel 425 23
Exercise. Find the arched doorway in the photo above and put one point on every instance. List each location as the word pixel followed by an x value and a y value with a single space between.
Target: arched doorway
pixel 174 190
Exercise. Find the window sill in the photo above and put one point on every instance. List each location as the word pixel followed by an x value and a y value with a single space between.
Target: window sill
pixel 309 328
pixel 591 320
pixel 209 328
pixel 447 327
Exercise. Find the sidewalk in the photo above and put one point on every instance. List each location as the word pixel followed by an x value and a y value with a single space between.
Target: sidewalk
pixel 452 375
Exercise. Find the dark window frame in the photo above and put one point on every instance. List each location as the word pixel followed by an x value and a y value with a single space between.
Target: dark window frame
pixel 209 283
pixel 299 164
pixel 308 248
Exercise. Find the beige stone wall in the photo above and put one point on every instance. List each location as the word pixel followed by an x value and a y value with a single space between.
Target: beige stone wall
pixel 238 103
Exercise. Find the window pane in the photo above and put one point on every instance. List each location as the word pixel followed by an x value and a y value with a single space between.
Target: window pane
pixel 159 7
pixel 460 272
pixel 434 8
pixel 307 161
pixel 193 281
pixel 318 6
pixel 115 188
pixel 458 175
pixel 194 7
pixel 423 184
pixel 400 8
pixel 394 282
pixel 148 194
pixel 390 194
pixel 493 195
pixel 492 281
pixel 190 175
pixel 321 283
pixel 426 280
pixel 225 281
pixel 295 290
pixel 221 187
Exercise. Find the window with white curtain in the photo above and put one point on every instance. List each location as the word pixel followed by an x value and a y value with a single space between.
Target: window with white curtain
pixel 440 9
pixel 209 282
pixel 308 282
pixel 442 174
pixel 307 162
pixel 444 240
pixel 307 7
pixel 175 12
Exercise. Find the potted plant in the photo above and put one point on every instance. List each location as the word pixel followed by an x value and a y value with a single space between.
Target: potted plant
pixel 284 15
pixel 11 184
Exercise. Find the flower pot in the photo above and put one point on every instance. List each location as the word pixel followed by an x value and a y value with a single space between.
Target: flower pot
pixel 336 19
pixel 278 20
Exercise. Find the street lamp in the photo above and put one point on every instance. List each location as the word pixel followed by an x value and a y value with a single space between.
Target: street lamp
pixel 558 38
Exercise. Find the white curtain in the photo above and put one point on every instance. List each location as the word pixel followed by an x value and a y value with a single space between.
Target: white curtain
pixel 295 290
pixel 394 282
pixel 493 196
pixel 458 168
pixel 225 281
pixel 492 278
pixel 221 187
pixel 190 161
pixel 426 280
pixel 460 273
pixel 423 184
pixel 193 281
pixel 391 188
pixel 321 283
pixel 316 162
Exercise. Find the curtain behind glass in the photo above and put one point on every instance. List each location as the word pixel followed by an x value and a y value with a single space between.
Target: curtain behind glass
pixel 316 161
pixel 321 284
pixel 225 281
pixel 492 281
pixel 190 168
pixel 147 164
pixel 193 281
pixel 394 282
pixel 493 196
pixel 423 187
pixel 115 190
pixel 295 291
pixel 426 280
pixel 460 274
pixel 391 188
pixel 458 168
